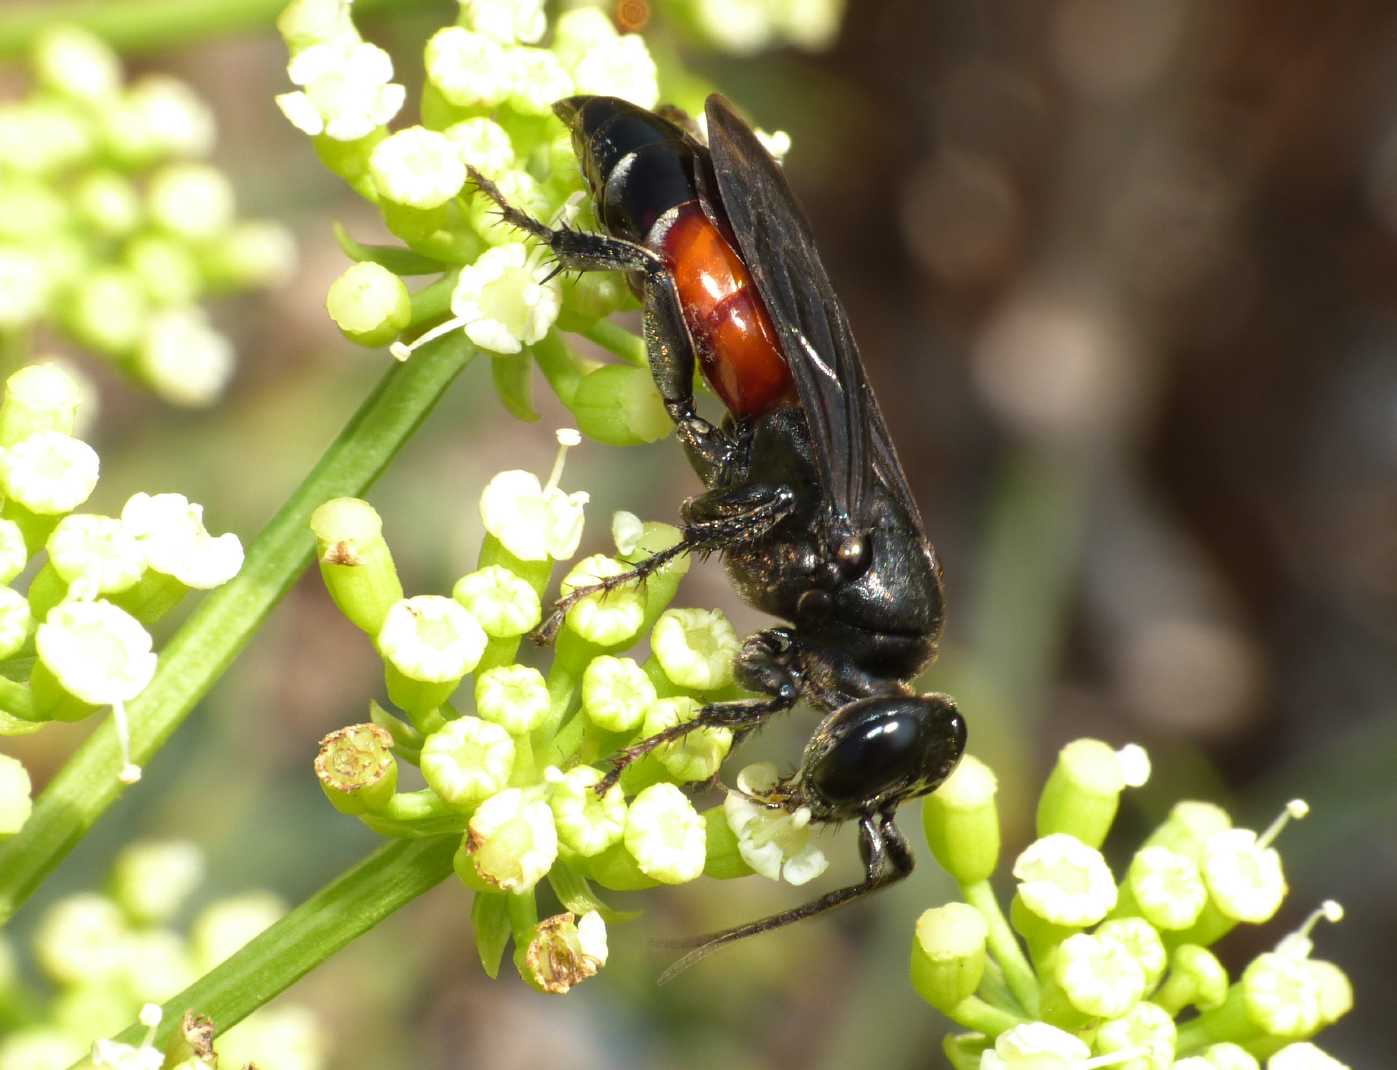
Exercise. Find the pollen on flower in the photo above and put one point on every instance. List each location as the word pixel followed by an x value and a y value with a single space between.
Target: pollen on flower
pixel 776 843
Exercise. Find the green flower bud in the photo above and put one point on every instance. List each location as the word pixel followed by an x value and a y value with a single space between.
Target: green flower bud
pixel 428 643
pixel 696 756
pixel 515 697
pixel 619 405
pixel 948 954
pixel 15 621
pixel 1064 881
pixel 1141 942
pixel 38 397
pixel 962 822
pixel 355 561
pixel 587 823
pixel 1099 978
pixel 607 618
pixel 665 835
pixel 109 310
pixel 1189 827
pixel 563 952
pixel 183 358
pixel 1196 978
pixel 1083 790
pixel 167 268
pixel 81 939
pixel 417 168
pixel 49 473
pixel 616 693
pixel 174 121
pixel 255 252
pixel 1146 1032
pixel 1166 887
pixel 356 768
pixel 15 802
pixel 695 648
pixel 369 304
pixel 95 555
pixel 152 879
pixel 506 605
pixel 467 761
pixel 512 841
pixel 225 926
pixel 108 203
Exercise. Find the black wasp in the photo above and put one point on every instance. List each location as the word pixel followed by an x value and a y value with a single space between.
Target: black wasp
pixel 805 500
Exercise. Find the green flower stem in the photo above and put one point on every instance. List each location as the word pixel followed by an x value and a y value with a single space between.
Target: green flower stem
pixel 16 700
pixel 560 365
pixel 432 303
pixel 617 340
pixel 348 906
pixel 963 1053
pixel 226 619
pixel 523 917
pixel 977 1015
pixel 1003 945
pixel 145 25
pixel 1230 1022
pixel 994 990
pixel 416 814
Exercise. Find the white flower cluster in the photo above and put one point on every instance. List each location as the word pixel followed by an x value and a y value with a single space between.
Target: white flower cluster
pixel 113 229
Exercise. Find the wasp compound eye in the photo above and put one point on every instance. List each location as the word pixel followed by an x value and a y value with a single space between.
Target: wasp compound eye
pixel 882 750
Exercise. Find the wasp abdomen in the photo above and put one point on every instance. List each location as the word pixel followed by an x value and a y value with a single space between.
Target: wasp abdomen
pixel 642 171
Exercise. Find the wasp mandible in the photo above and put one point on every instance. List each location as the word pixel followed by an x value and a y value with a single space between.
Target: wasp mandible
pixel 805 498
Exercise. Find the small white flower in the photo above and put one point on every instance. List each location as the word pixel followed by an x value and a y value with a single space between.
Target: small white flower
pixel 469 69
pixel 616 693
pixel 81 939
pixel 1099 977
pixel 503 603
pixel 738 26
pixel 776 843
pixel 95 554
pixel 520 189
pixel 1146 1033
pixel 14 555
pixel 1303 1056
pixel 579 30
pixel 417 167
pixel 177 122
pixel 183 358
pixel 621 67
pixel 505 300
pixel 506 21
pixel 117 1056
pixel 431 638
pixel 512 841
pixel 1064 881
pixel 77 63
pixel 191 200
pixel 467 760
pixel 627 530
pixel 1243 877
pixel 665 835
pixel 348 90
pixel 539 80
pixel 695 647
pixel 1035 1046
pixel 171 530
pixel 533 522
pixel 49 472
pixel 99 653
pixel 483 144
pixel 1167 887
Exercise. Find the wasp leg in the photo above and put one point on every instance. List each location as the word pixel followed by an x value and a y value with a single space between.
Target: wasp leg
pixel 711 522
pixel 765 664
pixel 886 859
pixel 668 344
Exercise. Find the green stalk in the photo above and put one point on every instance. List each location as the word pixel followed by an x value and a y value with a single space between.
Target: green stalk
pixel 618 341
pixel 348 906
pixel 221 626
pixel 145 25
pixel 1004 946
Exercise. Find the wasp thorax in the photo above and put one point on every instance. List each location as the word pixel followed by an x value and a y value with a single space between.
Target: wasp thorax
pixel 877 752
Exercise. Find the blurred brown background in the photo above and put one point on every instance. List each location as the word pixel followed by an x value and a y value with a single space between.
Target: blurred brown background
pixel 1124 275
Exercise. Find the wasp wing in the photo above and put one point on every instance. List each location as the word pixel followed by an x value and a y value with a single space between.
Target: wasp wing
pixel 847 429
